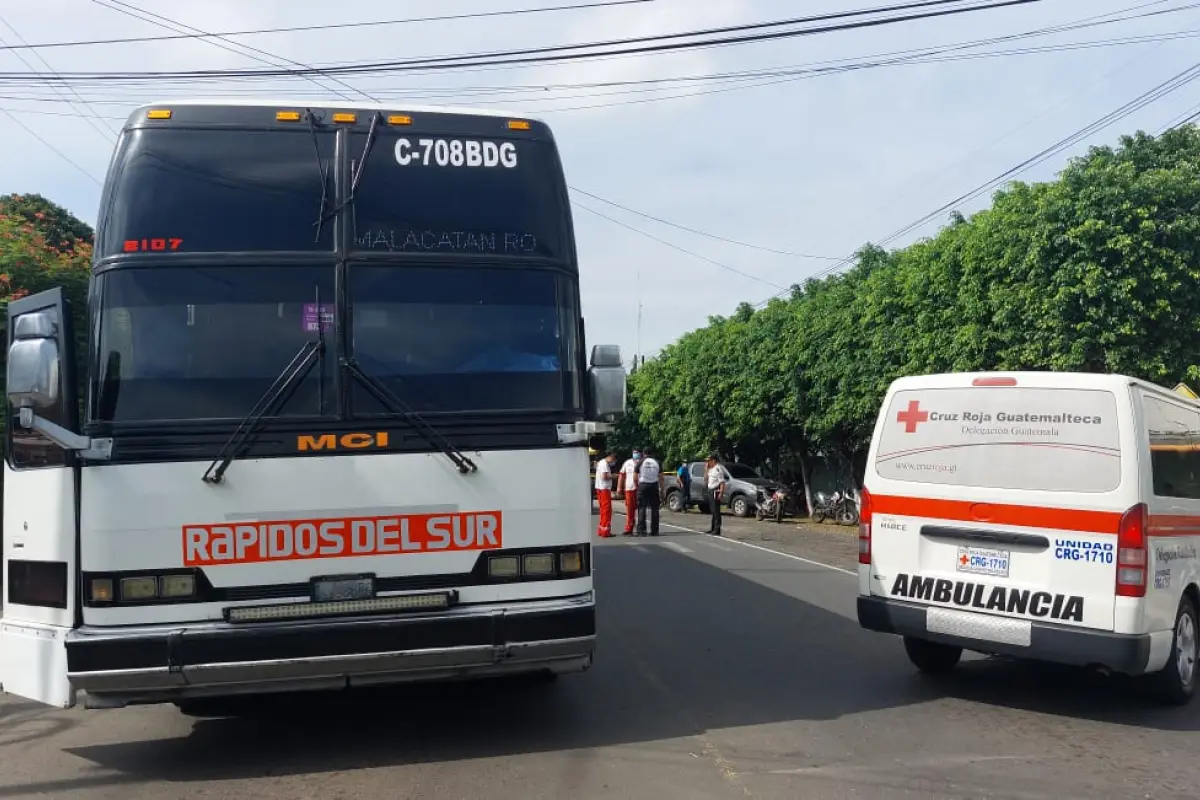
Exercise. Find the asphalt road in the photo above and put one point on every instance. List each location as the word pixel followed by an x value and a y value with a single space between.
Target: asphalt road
pixel 724 670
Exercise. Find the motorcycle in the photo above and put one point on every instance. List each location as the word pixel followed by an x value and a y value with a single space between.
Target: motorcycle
pixel 840 507
pixel 772 504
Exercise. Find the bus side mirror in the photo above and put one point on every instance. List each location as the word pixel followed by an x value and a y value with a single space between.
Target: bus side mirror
pixel 34 378
pixel 606 381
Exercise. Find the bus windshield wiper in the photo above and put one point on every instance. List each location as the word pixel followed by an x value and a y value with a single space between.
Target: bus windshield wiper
pixel 359 166
pixel 385 396
pixel 312 128
pixel 272 400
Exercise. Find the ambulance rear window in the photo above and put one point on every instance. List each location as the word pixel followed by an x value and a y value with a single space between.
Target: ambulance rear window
pixel 1058 440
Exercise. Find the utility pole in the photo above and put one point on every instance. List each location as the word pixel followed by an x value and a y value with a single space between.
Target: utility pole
pixel 638 353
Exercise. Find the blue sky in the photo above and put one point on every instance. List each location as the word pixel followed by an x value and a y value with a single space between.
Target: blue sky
pixel 812 165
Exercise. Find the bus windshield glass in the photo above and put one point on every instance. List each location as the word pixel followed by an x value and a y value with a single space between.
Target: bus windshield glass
pixel 204 191
pixel 207 342
pixel 466 338
pixel 460 196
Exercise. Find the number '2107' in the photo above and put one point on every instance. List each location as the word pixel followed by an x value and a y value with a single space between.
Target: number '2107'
pixel 148 245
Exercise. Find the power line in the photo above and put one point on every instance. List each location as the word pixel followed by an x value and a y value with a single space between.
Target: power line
pixel 108 135
pixel 326 27
pixel 58 152
pixel 170 24
pixel 673 246
pixel 975 153
pixel 1191 115
pixel 1172 84
pixel 1161 90
pixel 644 45
pixel 794 72
pixel 739 80
pixel 700 232
pixel 928 56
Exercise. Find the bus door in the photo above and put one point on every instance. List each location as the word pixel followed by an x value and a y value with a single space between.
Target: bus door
pixel 39 563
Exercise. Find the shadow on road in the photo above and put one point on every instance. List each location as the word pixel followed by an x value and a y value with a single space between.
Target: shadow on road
pixel 1065 692
pixel 22 721
pixel 684 648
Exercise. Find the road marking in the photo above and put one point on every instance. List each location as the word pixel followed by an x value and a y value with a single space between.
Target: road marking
pixel 770 550
pixel 677 547
pixel 717 545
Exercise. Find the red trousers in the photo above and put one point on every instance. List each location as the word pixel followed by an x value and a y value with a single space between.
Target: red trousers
pixel 630 510
pixel 604 498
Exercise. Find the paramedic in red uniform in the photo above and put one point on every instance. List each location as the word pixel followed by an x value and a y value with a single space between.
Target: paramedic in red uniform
pixel 627 483
pixel 604 491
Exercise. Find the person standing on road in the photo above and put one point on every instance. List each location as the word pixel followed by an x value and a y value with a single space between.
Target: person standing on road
pixel 714 484
pixel 650 489
pixel 627 485
pixel 604 491
pixel 685 486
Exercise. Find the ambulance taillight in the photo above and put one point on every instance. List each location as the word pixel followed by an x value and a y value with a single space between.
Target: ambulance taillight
pixel 1131 552
pixel 864 528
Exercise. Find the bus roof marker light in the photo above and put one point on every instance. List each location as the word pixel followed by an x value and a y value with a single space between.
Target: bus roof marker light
pixel 399 119
pixel 518 125
pixel 343 116
pixel 158 113
pixel 287 116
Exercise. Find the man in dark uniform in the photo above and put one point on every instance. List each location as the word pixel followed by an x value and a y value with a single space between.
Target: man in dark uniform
pixel 649 492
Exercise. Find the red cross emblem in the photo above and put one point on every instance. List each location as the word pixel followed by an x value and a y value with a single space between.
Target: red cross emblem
pixel 963 559
pixel 912 416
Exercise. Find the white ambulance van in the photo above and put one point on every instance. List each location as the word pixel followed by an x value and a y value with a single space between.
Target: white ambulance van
pixel 1049 516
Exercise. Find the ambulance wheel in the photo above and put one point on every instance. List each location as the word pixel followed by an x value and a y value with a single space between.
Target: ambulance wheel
pixel 930 657
pixel 1177 681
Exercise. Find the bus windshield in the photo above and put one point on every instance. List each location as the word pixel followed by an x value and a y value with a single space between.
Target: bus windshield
pixel 207 342
pixel 226 246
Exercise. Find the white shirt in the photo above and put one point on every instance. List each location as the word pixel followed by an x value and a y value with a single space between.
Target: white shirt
pixel 715 476
pixel 604 479
pixel 630 469
pixel 650 470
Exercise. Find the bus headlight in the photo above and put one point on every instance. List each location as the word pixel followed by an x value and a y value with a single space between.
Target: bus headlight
pixel 503 567
pixel 570 562
pixel 539 564
pixel 176 586
pixel 139 588
pixel 534 564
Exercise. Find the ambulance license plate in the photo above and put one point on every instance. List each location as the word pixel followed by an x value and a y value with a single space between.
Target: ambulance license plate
pixel 983 561
pixel 349 587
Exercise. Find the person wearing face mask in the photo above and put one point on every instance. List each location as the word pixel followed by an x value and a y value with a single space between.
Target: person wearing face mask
pixel 627 483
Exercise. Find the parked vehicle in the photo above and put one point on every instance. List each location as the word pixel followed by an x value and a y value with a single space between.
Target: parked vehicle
pixel 1045 515
pixel 839 506
pixel 773 505
pixel 742 489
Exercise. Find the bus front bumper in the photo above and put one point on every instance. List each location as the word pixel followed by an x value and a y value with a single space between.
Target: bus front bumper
pixel 164 663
